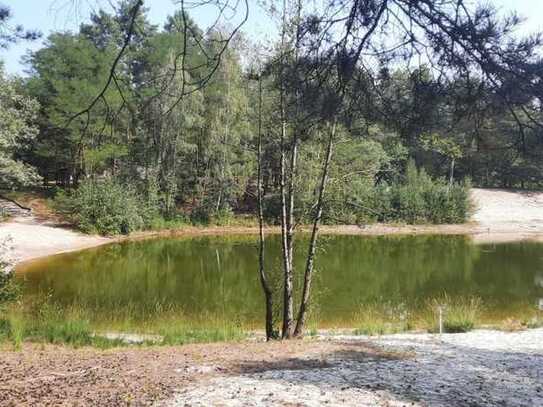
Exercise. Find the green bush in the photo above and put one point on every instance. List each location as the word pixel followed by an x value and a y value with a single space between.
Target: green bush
pixel 106 207
pixel 223 217
pixel 417 198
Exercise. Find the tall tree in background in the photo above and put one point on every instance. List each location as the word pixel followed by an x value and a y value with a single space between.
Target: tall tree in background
pixel 18 115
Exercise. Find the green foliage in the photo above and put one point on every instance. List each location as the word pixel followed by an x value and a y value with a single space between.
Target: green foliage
pixel 106 207
pixel 47 323
pixel 195 160
pixel 159 222
pixel 9 289
pixel 415 198
pixel 441 145
pixel 43 320
pixel 423 199
pixel 18 114
pixel 12 329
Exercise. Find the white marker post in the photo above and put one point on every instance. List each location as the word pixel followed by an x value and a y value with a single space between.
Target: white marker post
pixel 440 310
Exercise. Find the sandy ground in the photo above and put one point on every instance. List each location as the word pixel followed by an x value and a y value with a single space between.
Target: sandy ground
pixel 499 215
pixel 502 209
pixel 29 238
pixel 481 368
pixel 507 215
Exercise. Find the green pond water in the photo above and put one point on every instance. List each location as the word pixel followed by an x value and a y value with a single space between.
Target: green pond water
pixel 215 278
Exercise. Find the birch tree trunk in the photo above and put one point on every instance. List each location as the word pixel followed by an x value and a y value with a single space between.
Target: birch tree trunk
pixel 293 168
pixel 308 275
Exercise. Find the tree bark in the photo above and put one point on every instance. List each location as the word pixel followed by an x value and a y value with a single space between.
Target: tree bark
pixel 288 309
pixel 308 275
pixel 261 268
pixel 288 312
pixel 290 207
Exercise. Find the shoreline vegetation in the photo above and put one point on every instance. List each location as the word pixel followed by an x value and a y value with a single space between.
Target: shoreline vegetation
pixel 479 234
pixel 40 321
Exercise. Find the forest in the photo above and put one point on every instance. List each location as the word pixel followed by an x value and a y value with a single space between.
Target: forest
pixel 175 135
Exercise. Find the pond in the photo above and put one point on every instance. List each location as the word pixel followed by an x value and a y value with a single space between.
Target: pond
pixel 215 278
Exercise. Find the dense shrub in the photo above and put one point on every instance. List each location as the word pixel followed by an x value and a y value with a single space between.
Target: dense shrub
pixel 417 198
pixel 106 207
pixel 423 199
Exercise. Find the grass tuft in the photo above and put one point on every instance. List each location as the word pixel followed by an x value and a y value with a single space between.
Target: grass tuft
pixel 181 335
pixel 459 314
pixel 381 318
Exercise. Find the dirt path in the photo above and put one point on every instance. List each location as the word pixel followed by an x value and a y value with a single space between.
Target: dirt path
pixel 480 368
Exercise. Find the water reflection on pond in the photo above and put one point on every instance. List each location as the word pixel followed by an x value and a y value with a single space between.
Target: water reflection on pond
pixel 217 276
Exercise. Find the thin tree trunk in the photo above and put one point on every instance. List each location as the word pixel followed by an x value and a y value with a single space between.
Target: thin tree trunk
pixel 262 272
pixel 308 276
pixel 290 207
pixel 288 309
pixel 451 175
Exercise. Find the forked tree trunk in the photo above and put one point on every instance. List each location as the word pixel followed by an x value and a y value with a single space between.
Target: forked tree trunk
pixel 293 168
pixel 268 295
pixel 308 276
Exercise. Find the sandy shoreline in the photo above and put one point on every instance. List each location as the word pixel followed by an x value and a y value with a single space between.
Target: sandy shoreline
pixel 499 216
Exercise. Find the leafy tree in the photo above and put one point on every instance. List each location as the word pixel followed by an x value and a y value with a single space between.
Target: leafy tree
pixel 18 130
pixel 443 146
